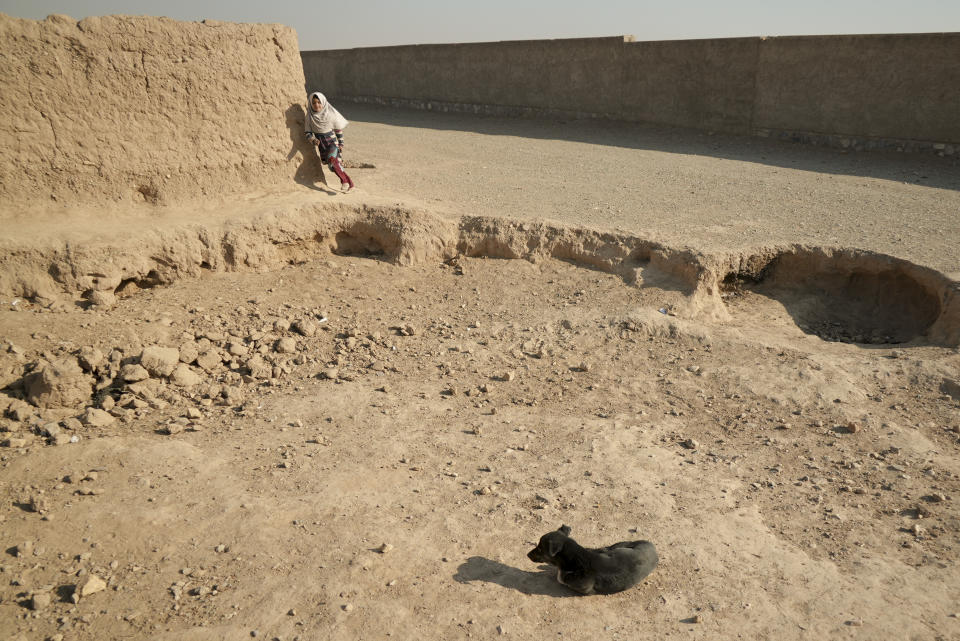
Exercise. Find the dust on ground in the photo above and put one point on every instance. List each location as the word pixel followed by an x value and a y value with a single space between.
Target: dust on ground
pixel 418 428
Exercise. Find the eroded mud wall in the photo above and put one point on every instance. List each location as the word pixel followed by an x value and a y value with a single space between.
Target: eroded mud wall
pixel 141 108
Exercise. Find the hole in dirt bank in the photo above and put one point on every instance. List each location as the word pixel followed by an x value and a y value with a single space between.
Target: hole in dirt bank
pixel 130 286
pixel 846 296
pixel 347 244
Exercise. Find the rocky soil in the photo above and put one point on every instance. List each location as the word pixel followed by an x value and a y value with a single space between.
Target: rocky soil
pixel 346 448
pixel 287 413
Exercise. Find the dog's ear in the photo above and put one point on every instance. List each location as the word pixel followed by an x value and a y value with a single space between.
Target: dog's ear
pixel 565 529
pixel 554 545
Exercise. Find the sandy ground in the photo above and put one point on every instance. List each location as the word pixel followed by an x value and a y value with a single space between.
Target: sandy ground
pixel 387 476
pixel 686 187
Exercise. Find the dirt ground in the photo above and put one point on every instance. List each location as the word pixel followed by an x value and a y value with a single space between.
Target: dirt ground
pixel 375 447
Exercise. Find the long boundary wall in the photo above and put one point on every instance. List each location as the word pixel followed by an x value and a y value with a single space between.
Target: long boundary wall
pixel 861 91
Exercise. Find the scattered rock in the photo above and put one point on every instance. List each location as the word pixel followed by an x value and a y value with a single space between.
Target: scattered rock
pixel 99 298
pixel 39 504
pixel 690 444
pixel 259 368
pixel 24 549
pixel 189 352
pixel 18 441
pixel 91 585
pixel 209 360
pixel 134 373
pixel 40 601
pixel 160 361
pixel 286 345
pixel 61 383
pixel 90 358
pixel 384 548
pixel 94 417
pixel 305 327
pixel 184 376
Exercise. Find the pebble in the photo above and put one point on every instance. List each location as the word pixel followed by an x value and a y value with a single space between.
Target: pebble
pixel 92 585
pixel 384 548
pixel 40 601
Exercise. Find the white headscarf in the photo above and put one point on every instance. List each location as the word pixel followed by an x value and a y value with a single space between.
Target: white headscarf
pixel 323 121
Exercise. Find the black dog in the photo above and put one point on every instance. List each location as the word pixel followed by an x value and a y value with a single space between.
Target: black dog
pixel 602 571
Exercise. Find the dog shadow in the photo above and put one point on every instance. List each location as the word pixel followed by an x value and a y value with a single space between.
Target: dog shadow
pixel 477 568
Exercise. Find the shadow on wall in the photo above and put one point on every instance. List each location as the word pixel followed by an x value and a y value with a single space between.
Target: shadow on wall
pixel 310 170
pixel 913 168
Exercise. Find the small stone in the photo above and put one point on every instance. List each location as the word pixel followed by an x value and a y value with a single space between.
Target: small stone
pixel 330 374
pixel 584 366
pixel 172 428
pixel 90 358
pixel 25 549
pixel 94 417
pixel 50 430
pixel 134 373
pixel 236 348
pixel 286 345
pixel 39 504
pixel 160 361
pixel 305 327
pixel 40 601
pixel 856 623
pixel 61 383
pixel 384 548
pixel 189 352
pixel 209 360
pixel 92 585
pixel 508 376
pixel 690 444
pixel 102 298
pixel 184 376
pixel 347 607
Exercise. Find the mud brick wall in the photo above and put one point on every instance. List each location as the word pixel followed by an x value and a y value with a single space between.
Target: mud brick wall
pixel 136 108
pixel 870 91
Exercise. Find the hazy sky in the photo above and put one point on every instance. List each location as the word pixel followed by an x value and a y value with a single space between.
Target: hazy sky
pixel 338 24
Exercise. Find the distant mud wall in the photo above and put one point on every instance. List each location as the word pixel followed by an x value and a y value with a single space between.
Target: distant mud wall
pixel 139 108
pixel 869 91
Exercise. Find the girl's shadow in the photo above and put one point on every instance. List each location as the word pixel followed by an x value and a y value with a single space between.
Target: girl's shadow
pixel 477 568
pixel 311 167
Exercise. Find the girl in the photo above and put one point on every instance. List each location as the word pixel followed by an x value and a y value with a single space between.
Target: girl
pixel 324 128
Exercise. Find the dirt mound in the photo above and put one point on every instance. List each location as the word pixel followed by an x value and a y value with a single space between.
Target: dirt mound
pixel 135 109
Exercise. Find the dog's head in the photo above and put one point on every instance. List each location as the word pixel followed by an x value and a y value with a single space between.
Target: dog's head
pixel 550 546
